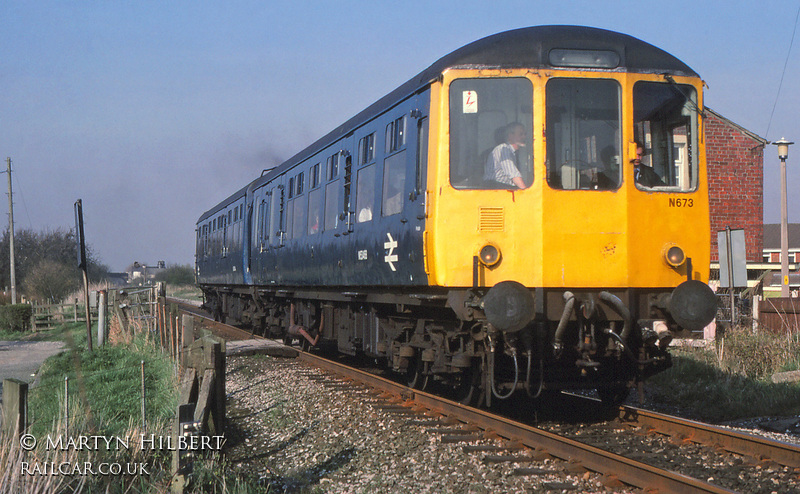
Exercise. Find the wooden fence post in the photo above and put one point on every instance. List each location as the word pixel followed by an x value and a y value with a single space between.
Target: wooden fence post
pixel 33 316
pixel 15 407
pixel 203 355
pixel 187 338
pixel 181 466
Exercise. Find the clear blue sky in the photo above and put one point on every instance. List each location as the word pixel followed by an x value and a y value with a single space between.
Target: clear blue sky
pixel 152 111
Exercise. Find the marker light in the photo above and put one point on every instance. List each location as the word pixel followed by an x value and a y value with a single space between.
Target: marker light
pixel 489 255
pixel 675 256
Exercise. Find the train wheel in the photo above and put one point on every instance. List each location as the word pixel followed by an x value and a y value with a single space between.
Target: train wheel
pixel 414 376
pixel 468 390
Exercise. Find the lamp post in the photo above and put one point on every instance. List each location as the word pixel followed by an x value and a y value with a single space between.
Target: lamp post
pixel 783 153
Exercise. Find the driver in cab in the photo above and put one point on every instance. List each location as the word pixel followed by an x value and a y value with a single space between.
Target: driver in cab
pixel 501 165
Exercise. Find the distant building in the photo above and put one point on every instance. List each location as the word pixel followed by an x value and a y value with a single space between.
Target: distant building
pixel 142 274
pixel 771 252
pixel 772 257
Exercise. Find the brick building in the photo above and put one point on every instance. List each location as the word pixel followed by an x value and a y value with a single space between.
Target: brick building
pixel 735 159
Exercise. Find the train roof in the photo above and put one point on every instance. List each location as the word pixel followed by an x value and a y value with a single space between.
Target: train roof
pixel 528 47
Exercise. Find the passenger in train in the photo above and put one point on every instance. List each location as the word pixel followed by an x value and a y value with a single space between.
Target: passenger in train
pixel 501 165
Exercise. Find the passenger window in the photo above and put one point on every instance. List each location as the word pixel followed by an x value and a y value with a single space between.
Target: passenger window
pixel 333 166
pixel 394 182
pixel 482 114
pixel 665 127
pixel 299 217
pixel 583 134
pixel 396 135
pixel 332 203
pixel 366 149
pixel 314 178
pixel 365 194
pixel 314 211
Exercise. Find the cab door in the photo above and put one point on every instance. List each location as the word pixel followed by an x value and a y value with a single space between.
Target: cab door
pixel 585 219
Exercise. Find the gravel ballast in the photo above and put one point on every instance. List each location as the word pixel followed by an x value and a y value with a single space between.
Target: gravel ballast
pixel 291 429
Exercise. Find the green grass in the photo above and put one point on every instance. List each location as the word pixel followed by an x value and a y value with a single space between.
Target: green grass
pixel 56 334
pixel 189 292
pixel 105 383
pixel 105 400
pixel 732 380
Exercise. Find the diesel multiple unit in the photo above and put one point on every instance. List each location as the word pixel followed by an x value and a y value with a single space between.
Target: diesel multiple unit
pixel 395 237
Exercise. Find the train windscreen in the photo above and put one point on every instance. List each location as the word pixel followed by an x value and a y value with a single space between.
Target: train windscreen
pixel 583 134
pixel 665 126
pixel 482 114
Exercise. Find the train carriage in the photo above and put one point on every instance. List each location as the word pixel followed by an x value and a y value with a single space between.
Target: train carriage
pixel 567 269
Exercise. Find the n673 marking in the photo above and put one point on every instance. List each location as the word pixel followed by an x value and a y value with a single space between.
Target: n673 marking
pixel 677 202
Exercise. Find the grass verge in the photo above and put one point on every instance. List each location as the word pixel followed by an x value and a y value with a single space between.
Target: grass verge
pixel 104 405
pixel 731 380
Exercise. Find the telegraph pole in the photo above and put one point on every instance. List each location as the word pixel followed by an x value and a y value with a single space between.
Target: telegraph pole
pixel 11 235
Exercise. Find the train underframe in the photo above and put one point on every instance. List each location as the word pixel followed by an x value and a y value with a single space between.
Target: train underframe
pixel 448 339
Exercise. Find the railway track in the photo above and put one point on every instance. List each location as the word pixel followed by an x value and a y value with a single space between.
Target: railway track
pixel 758 461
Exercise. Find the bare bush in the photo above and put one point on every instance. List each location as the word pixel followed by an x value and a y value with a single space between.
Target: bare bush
pixel 51 280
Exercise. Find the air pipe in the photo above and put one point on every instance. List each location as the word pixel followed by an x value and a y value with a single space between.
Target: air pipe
pixel 569 303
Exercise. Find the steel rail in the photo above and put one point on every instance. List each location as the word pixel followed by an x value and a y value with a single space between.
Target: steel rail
pixel 729 440
pixel 629 471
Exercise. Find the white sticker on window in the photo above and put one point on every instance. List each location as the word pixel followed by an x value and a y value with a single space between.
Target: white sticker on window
pixel 470 101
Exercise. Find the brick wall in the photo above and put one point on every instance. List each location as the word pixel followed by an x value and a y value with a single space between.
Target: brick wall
pixel 735 159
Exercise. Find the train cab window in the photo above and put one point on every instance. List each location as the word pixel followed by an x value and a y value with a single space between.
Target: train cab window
pixel 665 125
pixel 583 134
pixel 482 112
pixel 365 194
pixel 366 149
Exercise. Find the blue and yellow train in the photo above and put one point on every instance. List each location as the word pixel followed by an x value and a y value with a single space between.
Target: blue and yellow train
pixel 528 213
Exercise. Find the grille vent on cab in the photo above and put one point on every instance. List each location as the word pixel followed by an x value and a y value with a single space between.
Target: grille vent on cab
pixel 491 220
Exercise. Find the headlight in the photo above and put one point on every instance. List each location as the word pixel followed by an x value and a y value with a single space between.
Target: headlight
pixel 489 255
pixel 674 256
